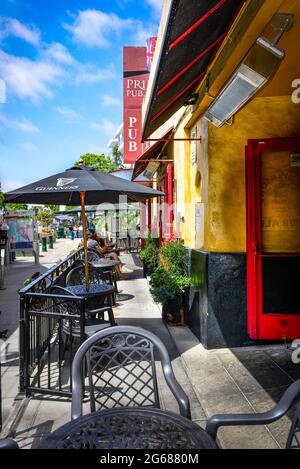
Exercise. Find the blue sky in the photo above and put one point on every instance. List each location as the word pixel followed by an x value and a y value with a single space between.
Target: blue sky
pixel 61 61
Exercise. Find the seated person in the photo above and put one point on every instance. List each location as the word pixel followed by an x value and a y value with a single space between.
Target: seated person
pixel 95 242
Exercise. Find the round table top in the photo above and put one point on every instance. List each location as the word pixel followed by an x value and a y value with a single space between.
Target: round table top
pixel 130 428
pixel 95 289
pixel 105 264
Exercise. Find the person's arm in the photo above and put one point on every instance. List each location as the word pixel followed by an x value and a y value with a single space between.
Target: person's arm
pixel 101 250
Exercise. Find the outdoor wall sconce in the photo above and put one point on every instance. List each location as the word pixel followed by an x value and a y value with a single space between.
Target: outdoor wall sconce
pixel 191 100
pixel 258 67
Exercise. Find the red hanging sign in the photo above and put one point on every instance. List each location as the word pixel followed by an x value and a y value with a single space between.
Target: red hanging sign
pixel 136 76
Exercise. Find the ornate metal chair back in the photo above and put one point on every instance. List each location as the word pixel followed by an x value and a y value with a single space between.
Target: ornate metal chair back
pixel 93 255
pixel 122 371
pixel 77 276
pixel 67 308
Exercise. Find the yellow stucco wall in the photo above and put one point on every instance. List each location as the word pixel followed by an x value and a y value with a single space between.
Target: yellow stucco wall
pixel 221 162
pixel 191 182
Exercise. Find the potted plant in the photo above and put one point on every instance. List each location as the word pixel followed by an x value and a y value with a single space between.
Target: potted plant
pixel 150 256
pixel 169 281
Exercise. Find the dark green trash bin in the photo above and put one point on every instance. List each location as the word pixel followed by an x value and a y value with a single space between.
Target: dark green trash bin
pixel 50 241
pixel 60 233
pixel 44 244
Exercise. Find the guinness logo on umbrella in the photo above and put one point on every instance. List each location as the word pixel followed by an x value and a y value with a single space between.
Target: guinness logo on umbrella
pixel 61 182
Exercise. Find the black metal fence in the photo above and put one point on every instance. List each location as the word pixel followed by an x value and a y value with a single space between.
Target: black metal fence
pixel 50 326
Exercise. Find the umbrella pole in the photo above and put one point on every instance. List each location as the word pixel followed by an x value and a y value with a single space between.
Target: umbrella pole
pixel 83 217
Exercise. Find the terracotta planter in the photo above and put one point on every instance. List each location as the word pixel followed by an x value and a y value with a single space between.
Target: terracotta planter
pixel 173 311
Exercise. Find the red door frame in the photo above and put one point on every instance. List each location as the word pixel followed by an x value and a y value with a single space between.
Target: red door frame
pixel 263 326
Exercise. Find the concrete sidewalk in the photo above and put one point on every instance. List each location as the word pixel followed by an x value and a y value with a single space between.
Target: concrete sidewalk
pixel 245 380
pixel 241 380
pixel 15 274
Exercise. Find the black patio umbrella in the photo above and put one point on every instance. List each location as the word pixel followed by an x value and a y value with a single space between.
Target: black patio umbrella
pixel 80 185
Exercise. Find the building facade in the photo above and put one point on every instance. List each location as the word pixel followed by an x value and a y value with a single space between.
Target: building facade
pixel 225 84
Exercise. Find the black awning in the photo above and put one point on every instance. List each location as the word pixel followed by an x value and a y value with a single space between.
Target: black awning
pixel 152 153
pixel 193 34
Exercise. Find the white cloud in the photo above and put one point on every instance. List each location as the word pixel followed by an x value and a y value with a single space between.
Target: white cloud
pixel 68 113
pixel 29 78
pixel 90 74
pixel 111 101
pixel 94 28
pixel 24 125
pixel 59 53
pixel 54 65
pixel 107 127
pixel 27 146
pixel 142 33
pixel 13 27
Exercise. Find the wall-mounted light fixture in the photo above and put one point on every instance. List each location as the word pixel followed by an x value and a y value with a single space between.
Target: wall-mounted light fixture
pixel 191 100
pixel 258 67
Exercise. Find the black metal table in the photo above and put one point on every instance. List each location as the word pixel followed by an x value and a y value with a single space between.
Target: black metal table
pixel 130 428
pixel 110 266
pixel 95 289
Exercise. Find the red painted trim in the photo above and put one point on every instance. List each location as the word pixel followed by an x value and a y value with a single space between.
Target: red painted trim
pixel 176 97
pixel 185 69
pixel 251 242
pixel 197 24
pixel 260 324
pixel 149 214
pixel 154 160
pixel 145 181
pixel 199 139
pixel 170 198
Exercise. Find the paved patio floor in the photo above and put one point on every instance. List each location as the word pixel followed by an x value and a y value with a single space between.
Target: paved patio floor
pixel 243 380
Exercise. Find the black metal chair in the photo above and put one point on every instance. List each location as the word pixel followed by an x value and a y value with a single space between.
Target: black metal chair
pixel 289 398
pixel 122 372
pixel 94 321
pixel 93 255
pixel 8 444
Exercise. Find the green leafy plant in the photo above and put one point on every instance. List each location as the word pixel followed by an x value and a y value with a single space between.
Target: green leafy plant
pixel 169 281
pixel 166 285
pixel 173 255
pixel 150 253
pixel 27 282
pixel 1 199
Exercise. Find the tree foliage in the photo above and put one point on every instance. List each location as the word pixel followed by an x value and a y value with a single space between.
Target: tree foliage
pixel 117 157
pixel 45 217
pixel 15 207
pixel 101 163
pixel 53 208
pixel 1 199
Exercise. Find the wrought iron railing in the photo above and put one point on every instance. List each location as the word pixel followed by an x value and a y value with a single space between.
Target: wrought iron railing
pixel 48 323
